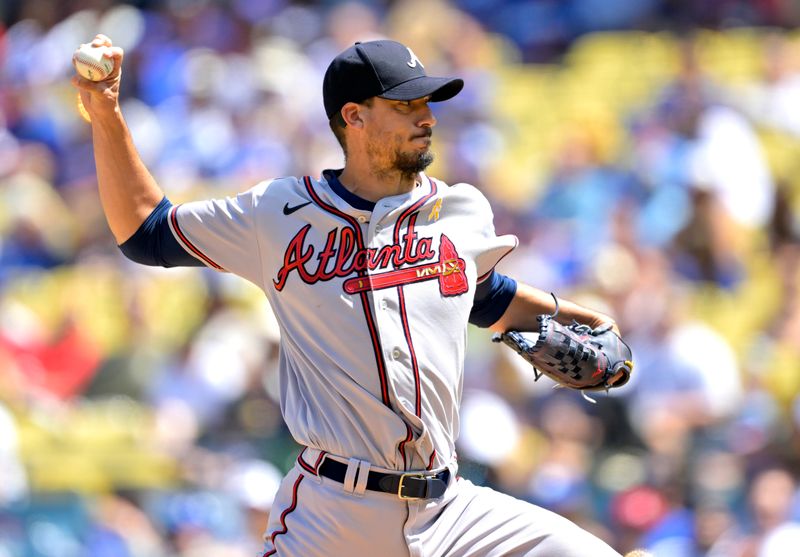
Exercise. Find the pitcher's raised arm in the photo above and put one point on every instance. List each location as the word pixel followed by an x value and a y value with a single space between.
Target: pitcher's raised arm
pixel 128 191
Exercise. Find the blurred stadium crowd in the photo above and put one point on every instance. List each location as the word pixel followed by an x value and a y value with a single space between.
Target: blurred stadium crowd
pixel 647 170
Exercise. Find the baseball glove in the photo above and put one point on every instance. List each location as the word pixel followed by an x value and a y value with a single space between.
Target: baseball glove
pixel 574 356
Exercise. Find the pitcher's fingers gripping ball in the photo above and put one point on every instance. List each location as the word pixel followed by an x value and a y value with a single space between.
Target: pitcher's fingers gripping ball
pixel 574 356
pixel 638 553
pixel 93 62
pixel 98 68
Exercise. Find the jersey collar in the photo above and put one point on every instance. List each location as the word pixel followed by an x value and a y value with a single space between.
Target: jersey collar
pixel 357 202
pixel 352 199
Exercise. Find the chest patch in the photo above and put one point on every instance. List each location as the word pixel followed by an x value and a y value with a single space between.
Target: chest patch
pixel 434 214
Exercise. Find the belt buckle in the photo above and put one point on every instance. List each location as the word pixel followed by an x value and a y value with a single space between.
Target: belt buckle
pixel 400 484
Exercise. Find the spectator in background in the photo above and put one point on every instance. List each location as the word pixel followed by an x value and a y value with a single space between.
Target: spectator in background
pixel 769 530
pixel 37 230
pixel 579 203
pixel 704 249
pixel 774 100
pixel 121 528
pixel 779 337
pixel 690 139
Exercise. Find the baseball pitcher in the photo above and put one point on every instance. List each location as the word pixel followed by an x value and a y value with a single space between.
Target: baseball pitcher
pixel 374 271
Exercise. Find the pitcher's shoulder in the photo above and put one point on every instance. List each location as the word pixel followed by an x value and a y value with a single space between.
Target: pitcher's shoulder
pixel 279 186
pixel 269 196
pixel 462 191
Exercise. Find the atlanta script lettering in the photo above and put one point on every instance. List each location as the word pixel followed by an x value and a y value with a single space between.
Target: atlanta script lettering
pixel 341 257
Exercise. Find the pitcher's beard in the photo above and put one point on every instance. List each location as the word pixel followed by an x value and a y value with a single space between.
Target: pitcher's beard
pixel 411 164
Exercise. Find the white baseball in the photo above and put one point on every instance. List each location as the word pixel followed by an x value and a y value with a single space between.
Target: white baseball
pixel 91 63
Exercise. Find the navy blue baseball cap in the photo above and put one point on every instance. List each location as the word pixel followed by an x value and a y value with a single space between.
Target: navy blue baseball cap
pixel 385 69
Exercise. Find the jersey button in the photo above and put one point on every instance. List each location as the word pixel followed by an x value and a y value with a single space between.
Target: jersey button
pixel 396 353
pixel 362 219
pixel 384 305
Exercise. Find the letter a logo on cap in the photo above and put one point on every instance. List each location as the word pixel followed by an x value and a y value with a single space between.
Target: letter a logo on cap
pixel 414 60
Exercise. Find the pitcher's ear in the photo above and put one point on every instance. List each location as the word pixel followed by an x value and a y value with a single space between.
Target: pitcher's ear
pixel 351 114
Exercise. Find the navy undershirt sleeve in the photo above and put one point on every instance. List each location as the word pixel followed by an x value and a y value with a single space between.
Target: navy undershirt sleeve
pixel 492 298
pixel 154 244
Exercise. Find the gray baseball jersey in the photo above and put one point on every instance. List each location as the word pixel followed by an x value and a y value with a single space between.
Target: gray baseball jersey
pixel 372 305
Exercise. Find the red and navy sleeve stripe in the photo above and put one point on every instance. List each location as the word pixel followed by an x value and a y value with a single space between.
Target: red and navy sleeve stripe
pixel 194 250
pixel 154 244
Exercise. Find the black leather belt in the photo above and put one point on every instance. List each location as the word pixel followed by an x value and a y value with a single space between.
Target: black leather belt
pixel 413 485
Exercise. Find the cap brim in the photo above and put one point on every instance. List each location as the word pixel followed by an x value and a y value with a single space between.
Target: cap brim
pixel 439 89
